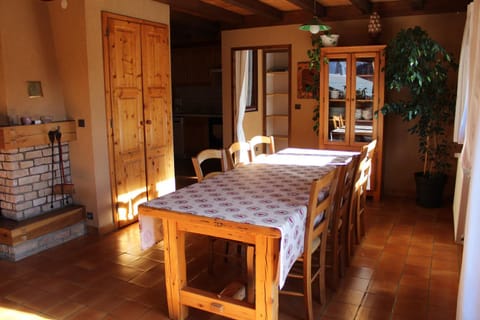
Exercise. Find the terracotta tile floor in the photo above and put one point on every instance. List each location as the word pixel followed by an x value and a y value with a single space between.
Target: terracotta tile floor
pixel 407 267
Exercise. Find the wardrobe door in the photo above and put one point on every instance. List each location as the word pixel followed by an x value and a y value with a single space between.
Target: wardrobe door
pixel 157 110
pixel 127 123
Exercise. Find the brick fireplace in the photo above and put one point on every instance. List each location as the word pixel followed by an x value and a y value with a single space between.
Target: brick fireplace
pixel 32 217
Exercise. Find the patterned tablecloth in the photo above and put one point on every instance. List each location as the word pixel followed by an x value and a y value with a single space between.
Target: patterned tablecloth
pixel 272 192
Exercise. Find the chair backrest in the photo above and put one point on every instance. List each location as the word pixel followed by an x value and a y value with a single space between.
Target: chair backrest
pixel 363 174
pixel 238 154
pixel 363 162
pixel 338 121
pixel 370 151
pixel 206 155
pixel 371 148
pixel 343 193
pixel 318 214
pixel 266 140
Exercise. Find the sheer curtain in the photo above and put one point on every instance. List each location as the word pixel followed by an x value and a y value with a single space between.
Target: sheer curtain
pixel 243 92
pixel 468 303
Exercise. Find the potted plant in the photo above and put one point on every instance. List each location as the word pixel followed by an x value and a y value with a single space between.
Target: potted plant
pixel 418 68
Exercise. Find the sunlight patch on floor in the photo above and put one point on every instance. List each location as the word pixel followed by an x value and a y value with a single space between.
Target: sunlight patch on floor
pixel 6 313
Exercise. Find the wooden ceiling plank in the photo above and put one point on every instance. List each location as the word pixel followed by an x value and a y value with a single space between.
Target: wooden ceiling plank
pixel 226 19
pixel 365 6
pixel 200 9
pixel 307 6
pixel 417 4
pixel 257 7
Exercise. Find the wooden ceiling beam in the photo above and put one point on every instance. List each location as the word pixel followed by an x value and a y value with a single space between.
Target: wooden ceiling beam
pixel 365 6
pixel 202 10
pixel 259 8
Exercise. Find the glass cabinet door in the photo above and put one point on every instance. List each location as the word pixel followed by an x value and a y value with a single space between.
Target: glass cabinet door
pixel 337 100
pixel 363 80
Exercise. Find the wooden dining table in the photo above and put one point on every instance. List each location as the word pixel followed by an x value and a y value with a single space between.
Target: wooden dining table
pixel 262 204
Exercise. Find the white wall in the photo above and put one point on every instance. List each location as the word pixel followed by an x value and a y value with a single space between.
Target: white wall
pixel 27 54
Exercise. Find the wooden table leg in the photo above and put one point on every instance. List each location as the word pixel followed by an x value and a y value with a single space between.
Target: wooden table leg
pixel 175 268
pixel 266 278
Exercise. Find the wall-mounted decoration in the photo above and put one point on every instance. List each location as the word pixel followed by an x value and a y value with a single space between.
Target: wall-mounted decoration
pixel 304 80
pixel 34 89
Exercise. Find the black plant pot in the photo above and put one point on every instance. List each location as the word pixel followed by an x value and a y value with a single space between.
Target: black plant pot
pixel 430 189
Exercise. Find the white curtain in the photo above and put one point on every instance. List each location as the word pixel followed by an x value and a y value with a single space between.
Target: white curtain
pixel 463 88
pixel 468 303
pixel 243 92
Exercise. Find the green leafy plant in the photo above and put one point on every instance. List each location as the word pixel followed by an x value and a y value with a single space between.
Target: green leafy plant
pixel 419 67
pixel 314 65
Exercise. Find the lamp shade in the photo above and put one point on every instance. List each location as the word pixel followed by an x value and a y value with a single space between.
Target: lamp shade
pixel 314 26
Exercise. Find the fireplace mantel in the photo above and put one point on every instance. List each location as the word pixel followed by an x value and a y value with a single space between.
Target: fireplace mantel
pixel 22 136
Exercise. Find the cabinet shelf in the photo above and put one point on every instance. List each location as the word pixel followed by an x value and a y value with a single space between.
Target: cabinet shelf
pixel 277 96
pixel 277 116
pixel 363 121
pixel 279 73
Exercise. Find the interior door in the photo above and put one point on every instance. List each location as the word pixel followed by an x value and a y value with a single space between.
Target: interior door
pixel 139 112
pixel 157 111
pixel 124 51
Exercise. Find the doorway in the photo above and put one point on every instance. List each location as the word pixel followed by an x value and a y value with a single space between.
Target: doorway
pixel 261 80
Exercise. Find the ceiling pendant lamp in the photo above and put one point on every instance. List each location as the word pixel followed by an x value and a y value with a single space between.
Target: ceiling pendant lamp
pixel 314 25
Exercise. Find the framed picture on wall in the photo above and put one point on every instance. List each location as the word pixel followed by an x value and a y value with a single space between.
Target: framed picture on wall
pixel 304 80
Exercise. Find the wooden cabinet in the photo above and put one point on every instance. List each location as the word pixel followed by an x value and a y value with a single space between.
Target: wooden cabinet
pixel 277 95
pixel 351 90
pixel 139 112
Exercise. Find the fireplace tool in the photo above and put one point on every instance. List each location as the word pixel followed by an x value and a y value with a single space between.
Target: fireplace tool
pixel 51 138
pixel 63 188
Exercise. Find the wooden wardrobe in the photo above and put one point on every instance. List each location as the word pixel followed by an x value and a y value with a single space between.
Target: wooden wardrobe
pixel 139 112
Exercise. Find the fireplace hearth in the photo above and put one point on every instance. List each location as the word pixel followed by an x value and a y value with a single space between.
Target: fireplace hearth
pixel 33 216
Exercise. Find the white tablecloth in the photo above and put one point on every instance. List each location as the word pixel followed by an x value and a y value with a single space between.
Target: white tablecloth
pixel 273 193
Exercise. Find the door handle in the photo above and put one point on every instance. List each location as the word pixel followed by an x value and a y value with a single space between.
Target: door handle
pixel 148 121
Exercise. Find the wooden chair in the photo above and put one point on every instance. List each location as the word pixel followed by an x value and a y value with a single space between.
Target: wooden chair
pixel 338 123
pixel 236 152
pixel 356 228
pixel 337 233
pixel 352 212
pixel 363 185
pixel 310 266
pixel 365 169
pixel 268 141
pixel 208 154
